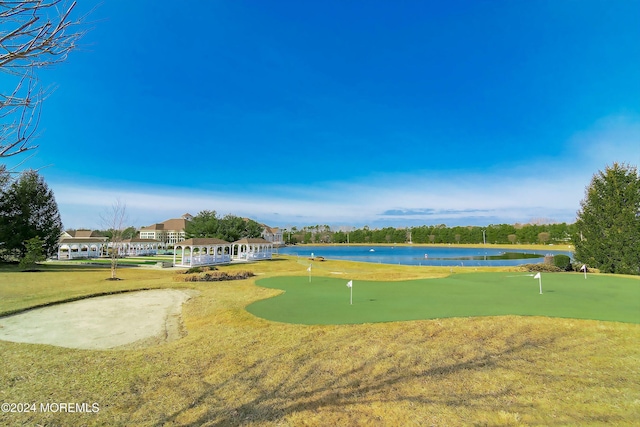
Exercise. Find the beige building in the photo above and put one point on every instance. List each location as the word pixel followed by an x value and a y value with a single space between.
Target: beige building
pixel 168 232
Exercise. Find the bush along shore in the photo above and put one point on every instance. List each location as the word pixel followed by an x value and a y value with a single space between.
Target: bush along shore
pixel 210 274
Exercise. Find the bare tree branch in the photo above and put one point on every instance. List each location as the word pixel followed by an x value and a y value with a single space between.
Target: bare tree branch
pixel 33 34
pixel 114 220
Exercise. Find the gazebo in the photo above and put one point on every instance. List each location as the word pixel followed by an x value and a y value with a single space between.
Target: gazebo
pixel 202 251
pixel 70 248
pixel 252 249
pixel 138 247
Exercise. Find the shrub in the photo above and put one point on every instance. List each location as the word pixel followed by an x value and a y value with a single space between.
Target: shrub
pixel 217 276
pixel 541 267
pixel 577 267
pixel 193 270
pixel 563 262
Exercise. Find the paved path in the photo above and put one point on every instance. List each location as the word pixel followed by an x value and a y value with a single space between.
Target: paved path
pixel 129 320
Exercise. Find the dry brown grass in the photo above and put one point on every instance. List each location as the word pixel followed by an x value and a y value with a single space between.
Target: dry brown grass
pixel 236 369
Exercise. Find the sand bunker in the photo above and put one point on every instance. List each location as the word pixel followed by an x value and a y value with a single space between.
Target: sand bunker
pixel 129 320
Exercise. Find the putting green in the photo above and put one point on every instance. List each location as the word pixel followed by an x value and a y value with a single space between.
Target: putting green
pixel 326 300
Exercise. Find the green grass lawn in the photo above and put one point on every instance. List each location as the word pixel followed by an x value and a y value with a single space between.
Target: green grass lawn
pixel 233 368
pixel 326 300
pixel 147 260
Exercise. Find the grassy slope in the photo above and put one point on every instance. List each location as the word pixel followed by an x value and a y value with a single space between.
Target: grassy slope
pixel 234 368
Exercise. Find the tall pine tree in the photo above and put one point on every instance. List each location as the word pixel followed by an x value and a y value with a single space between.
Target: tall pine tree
pixel 28 209
pixel 608 225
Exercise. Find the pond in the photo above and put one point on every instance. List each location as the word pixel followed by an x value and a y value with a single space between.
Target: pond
pixel 425 255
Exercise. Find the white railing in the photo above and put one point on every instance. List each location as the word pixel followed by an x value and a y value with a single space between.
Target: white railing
pixel 81 254
pixel 206 259
pixel 259 255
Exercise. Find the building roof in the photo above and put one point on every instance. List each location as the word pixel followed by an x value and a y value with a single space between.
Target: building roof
pixel 174 224
pixel 82 234
pixel 252 240
pixel 202 241
pixel 153 227
pixel 86 241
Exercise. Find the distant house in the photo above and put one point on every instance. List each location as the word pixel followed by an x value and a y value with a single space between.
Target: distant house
pixel 81 244
pixel 168 232
pixel 273 235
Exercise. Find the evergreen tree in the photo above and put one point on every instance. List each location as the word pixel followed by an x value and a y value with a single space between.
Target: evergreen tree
pixel 608 225
pixel 204 224
pixel 34 254
pixel 28 209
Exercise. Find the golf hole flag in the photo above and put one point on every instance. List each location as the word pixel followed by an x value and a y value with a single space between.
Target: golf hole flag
pixel 539 277
pixel 309 270
pixel 584 269
pixel 350 286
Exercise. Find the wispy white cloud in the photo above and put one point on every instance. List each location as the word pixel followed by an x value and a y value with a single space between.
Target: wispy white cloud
pixel 411 201
pixel 549 187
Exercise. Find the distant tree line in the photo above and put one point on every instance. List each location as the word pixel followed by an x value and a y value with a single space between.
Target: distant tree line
pixel 437 234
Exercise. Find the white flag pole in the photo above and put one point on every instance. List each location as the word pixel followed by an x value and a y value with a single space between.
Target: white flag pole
pixel 309 270
pixel 539 277
pixel 584 268
pixel 350 286
pixel 540 281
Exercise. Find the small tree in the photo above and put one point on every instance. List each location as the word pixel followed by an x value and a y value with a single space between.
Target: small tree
pixel 114 219
pixel 34 254
pixel 608 225
pixel 543 237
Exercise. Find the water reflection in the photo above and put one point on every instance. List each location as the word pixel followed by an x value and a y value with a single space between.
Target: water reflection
pixel 424 255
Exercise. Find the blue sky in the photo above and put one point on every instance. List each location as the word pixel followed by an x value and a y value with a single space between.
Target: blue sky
pixel 352 113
